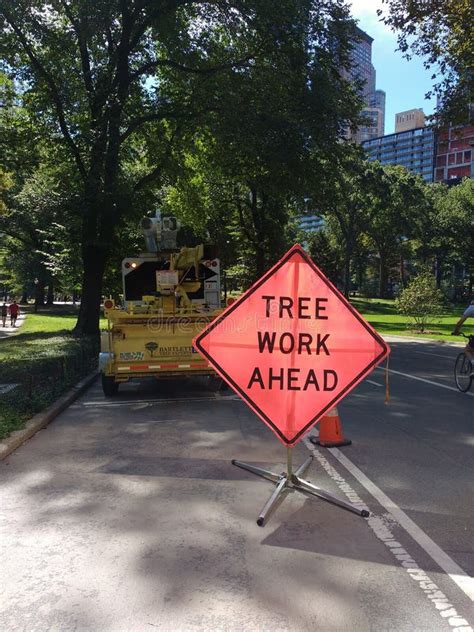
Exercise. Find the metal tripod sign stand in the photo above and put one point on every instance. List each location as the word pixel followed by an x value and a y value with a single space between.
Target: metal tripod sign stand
pixel 292 347
pixel 291 480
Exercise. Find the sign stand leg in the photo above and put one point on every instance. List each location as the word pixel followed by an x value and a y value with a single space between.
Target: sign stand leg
pixel 293 480
pixel 289 466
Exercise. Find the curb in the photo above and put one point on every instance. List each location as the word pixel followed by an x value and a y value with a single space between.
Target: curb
pixel 42 419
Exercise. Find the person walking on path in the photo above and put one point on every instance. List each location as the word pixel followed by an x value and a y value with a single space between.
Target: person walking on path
pixel 4 313
pixel 14 311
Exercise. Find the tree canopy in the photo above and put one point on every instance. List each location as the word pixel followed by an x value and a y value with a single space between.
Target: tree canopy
pixel 115 85
pixel 228 113
pixel 442 32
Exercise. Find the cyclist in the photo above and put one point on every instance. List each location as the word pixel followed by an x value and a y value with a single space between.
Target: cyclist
pixel 469 350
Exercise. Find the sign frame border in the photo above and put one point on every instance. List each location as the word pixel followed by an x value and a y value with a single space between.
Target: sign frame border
pixel 385 347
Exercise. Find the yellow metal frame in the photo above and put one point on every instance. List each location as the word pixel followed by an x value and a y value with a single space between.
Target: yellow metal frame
pixel 146 341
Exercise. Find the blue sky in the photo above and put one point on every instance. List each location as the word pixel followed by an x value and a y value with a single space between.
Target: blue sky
pixel 405 82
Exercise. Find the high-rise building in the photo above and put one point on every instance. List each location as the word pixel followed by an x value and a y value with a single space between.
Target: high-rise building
pixel 413 149
pixel 411 119
pixel 373 128
pixel 361 58
pixel 364 71
pixel 378 101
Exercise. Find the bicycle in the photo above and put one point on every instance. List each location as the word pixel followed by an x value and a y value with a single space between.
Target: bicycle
pixel 463 368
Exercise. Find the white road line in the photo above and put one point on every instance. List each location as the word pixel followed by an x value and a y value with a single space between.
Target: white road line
pixel 453 570
pixel 382 527
pixel 129 402
pixel 438 355
pixel 422 379
pixel 374 383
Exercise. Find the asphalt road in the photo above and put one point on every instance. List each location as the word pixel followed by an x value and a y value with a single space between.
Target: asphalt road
pixel 126 514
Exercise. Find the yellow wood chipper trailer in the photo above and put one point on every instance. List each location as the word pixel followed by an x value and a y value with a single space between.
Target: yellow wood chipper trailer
pixel 170 295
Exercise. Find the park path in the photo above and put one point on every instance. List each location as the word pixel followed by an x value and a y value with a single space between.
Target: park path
pixel 7 331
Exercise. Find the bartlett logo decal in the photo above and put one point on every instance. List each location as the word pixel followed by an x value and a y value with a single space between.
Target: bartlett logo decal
pixel 151 347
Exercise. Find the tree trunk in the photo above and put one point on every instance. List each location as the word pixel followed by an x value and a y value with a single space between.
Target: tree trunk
pixel 94 258
pixel 258 215
pixel 39 296
pixel 383 276
pixel 347 274
pixel 438 272
pixel 402 272
pixel 50 295
pixel 360 275
pixel 24 298
pixel 259 260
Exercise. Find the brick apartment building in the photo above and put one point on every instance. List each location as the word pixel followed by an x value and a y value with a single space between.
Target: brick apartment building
pixel 454 154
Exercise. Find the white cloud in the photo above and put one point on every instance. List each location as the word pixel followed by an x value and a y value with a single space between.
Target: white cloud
pixel 366 8
pixel 365 11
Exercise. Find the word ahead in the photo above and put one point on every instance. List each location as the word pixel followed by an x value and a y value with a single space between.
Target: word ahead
pixel 290 378
pixel 292 346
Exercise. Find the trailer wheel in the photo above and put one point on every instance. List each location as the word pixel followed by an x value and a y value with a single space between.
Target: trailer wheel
pixel 109 385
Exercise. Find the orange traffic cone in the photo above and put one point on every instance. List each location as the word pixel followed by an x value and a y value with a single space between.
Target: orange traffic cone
pixel 330 431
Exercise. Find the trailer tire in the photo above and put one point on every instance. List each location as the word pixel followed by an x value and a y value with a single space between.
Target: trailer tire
pixel 109 385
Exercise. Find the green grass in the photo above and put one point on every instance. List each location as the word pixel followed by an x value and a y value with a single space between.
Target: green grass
pixel 383 316
pixel 44 359
pixel 48 323
pixel 40 335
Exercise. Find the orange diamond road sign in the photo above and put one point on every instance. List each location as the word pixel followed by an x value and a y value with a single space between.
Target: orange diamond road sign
pixel 292 346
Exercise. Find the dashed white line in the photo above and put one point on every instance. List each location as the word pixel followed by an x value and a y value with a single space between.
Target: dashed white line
pixel 131 402
pixel 380 525
pixel 374 383
pixel 453 570
pixel 437 355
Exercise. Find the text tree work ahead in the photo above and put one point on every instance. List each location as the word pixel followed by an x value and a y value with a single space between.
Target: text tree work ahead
pixel 292 346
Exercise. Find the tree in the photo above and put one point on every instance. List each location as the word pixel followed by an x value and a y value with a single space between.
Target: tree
pixel 32 214
pixel 5 184
pixel 114 84
pixel 249 167
pixel 441 230
pixel 347 198
pixel 114 81
pixel 441 31
pixel 457 219
pixel 326 254
pixel 396 202
pixel 249 222
pixel 421 301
